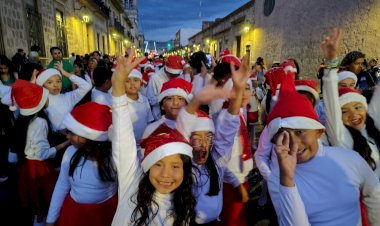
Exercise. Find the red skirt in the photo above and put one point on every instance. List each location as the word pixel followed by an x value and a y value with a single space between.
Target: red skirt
pixel 77 214
pixel 37 180
pixel 234 212
pixel 363 211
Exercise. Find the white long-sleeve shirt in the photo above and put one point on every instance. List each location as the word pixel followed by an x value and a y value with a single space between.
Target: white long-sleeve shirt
pixel 153 90
pixel 101 97
pixel 337 132
pixel 37 146
pixel 85 186
pixel 62 104
pixel 327 191
pixel 208 208
pixel 129 170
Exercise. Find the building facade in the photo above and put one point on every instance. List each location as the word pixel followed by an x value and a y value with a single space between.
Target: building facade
pixel 277 30
pixel 76 26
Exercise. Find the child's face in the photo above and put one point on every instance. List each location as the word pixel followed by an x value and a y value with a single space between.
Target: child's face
pixel 347 82
pixel 75 140
pixel 246 95
pixel 187 70
pixel 132 86
pixel 77 69
pixel 354 115
pixel 54 84
pixel 201 142
pixel 306 141
pixel 356 66
pixel 171 105
pixel 4 70
pixel 166 175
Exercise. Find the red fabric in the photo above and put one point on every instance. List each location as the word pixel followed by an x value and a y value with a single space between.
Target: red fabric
pixel 234 212
pixel 177 83
pixel 174 62
pixel 289 64
pixel 224 52
pixel 252 117
pixel 96 111
pixel 345 90
pixel 245 141
pixel 36 185
pixel 363 211
pixel 229 59
pixel 77 214
pixel 311 83
pixel 275 76
pixel 291 104
pixel 26 94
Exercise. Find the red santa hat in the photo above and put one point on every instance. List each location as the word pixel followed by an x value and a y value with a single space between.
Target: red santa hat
pixel 162 143
pixel 157 61
pixel 347 74
pixel 229 59
pixel 292 110
pixel 289 65
pixel 224 53
pixel 135 74
pixel 274 77
pixel 176 87
pixel 253 77
pixel 348 95
pixel 29 97
pixel 203 123
pixel 144 62
pixel 148 66
pixel 90 120
pixel 309 86
pixel 45 75
pixel 173 64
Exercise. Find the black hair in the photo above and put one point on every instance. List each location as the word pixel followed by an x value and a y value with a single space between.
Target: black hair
pixel 35 48
pixel 101 75
pixel 20 130
pixel 297 67
pixel 27 69
pixel 101 152
pixel 309 96
pixel 350 58
pixel 11 68
pixel 79 63
pixel 196 59
pixel 222 72
pixel 183 199
pixel 54 48
pixel 20 50
pixel 360 142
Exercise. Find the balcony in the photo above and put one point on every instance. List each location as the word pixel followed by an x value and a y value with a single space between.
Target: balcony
pixel 97 5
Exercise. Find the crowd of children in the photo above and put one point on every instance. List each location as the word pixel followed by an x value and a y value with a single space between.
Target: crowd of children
pixel 150 142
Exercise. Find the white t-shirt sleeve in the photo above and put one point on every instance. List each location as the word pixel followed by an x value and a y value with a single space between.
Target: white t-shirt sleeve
pixel 38 143
pixel 76 95
pixel 262 154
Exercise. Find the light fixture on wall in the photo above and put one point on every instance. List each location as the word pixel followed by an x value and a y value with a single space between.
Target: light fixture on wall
pixel 86 18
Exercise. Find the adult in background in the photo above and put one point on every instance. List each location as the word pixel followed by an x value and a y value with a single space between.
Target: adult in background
pixel 56 53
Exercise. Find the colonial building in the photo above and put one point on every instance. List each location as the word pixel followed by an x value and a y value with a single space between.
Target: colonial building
pixel 76 26
pixel 277 30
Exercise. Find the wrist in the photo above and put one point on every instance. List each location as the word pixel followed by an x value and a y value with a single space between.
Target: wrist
pixel 287 181
pixel 332 63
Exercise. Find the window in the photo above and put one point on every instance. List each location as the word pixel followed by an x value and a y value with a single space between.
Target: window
pixel 238 43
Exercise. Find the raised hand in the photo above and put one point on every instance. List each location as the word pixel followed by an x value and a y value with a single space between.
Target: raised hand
pixel 330 44
pixel 287 158
pixel 59 66
pixel 240 76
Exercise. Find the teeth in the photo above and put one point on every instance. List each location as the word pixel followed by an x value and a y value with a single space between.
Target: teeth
pixel 164 183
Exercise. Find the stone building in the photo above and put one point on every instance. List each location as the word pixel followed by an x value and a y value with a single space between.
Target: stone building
pixel 76 26
pixel 277 30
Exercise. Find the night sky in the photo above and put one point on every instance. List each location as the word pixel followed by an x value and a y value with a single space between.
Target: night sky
pixel 159 20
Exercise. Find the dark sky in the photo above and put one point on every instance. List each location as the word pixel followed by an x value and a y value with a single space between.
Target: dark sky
pixel 159 20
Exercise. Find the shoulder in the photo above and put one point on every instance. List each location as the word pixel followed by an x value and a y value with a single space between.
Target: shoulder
pixel 341 154
pixel 152 127
pixel 70 151
pixel 38 122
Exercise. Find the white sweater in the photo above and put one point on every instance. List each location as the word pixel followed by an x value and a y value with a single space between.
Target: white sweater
pixel 208 208
pixel 85 186
pixel 129 170
pixel 153 90
pixel 337 133
pixel 327 191
pixel 62 104
pixel 37 146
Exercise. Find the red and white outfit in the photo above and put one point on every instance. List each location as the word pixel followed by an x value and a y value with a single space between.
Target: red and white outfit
pixel 208 208
pixel 61 104
pixel 173 65
pixel 314 199
pixel 338 134
pixel 83 198
pixel 130 170
pixel 36 176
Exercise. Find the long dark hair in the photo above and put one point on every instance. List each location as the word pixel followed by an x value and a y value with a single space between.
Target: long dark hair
pixel 183 199
pixel 20 130
pixel 360 142
pixel 101 152
pixel 350 58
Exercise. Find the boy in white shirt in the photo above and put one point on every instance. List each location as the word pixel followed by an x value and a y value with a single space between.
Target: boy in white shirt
pixel 102 82
pixel 138 105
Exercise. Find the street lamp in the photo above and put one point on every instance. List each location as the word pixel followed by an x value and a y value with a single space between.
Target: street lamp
pixel 86 18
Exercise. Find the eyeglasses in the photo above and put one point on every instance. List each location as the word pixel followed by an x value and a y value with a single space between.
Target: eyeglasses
pixel 197 141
